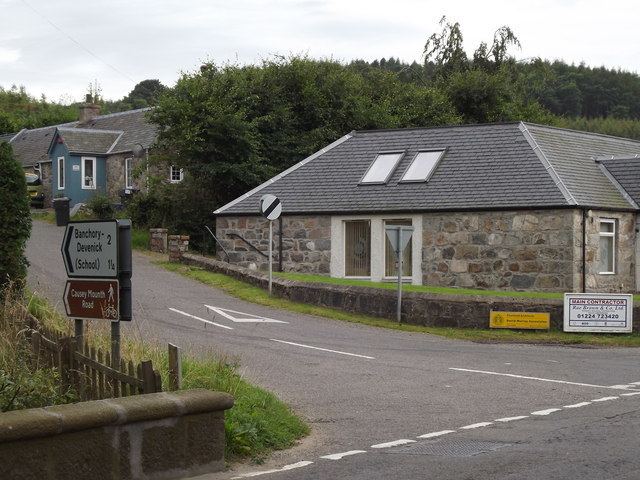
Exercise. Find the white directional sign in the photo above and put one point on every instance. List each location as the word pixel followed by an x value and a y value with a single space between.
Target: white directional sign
pixel 404 233
pixel 90 249
pixel 239 317
pixel 270 206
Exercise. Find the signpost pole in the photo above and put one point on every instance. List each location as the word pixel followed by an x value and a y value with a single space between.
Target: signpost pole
pixel 79 333
pixel 125 266
pixel 270 255
pixel 399 263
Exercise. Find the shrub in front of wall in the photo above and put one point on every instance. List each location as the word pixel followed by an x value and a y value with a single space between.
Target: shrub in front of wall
pixel 101 207
pixel 14 218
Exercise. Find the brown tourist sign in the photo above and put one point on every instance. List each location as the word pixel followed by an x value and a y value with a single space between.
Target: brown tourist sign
pixel 92 299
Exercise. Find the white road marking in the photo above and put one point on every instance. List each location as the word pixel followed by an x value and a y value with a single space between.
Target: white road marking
pixel 634 383
pixel 577 405
pixel 201 319
pixel 630 394
pixel 252 319
pixel 395 443
pixel 510 419
pixel 476 425
pixel 623 387
pixel 338 456
pixel 529 378
pixel 323 349
pixel 546 412
pixel 283 469
pixel 435 434
pixel 604 399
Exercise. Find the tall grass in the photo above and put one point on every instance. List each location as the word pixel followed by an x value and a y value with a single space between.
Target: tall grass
pixel 24 383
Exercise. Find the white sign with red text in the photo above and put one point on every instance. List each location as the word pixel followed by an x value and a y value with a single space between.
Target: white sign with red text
pixel 598 312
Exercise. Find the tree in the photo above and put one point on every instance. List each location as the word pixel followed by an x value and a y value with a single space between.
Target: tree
pixel 446 49
pixel 15 218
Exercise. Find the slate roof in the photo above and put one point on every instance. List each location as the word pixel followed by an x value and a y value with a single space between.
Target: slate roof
pixel 5 137
pixel 84 140
pixel 626 171
pixel 493 166
pixel 131 127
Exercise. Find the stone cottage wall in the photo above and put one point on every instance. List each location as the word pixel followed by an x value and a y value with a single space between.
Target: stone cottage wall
pixel 45 175
pixel 306 242
pixel 115 175
pixel 625 263
pixel 510 250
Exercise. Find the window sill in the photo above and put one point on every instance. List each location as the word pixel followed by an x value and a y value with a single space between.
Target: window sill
pixel 606 273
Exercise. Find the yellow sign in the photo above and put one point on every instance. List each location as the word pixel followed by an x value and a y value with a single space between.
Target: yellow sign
pixel 524 320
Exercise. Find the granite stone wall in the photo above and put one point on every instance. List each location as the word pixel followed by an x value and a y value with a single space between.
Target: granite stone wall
pixel 510 250
pixel 306 242
pixel 115 175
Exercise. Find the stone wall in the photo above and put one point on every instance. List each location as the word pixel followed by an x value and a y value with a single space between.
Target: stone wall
pixel 158 240
pixel 116 177
pixel 45 175
pixel 510 250
pixel 158 435
pixel 306 242
pixel 623 280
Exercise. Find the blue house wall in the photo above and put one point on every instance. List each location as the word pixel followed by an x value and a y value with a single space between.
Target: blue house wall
pixel 73 177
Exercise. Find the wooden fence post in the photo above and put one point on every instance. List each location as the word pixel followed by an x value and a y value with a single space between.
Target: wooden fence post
pixel 148 377
pixel 66 364
pixel 35 344
pixel 175 368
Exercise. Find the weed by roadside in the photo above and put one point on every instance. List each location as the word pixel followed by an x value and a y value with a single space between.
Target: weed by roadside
pixel 248 292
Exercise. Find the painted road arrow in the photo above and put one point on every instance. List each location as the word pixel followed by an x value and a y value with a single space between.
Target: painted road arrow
pixel 92 299
pixel 240 317
pixel 90 249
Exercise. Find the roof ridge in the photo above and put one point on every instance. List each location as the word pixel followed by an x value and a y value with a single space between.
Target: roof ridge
pixel 117 114
pixel 580 132
pixel 26 130
pixel 89 130
pixel 436 127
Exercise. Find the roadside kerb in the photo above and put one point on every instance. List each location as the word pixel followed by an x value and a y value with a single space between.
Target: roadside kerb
pixel 418 308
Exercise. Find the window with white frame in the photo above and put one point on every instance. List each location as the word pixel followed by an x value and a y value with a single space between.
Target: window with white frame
pixel 382 167
pixel 607 247
pixel 128 173
pixel 390 260
pixel 175 174
pixel 357 248
pixel 61 177
pixel 88 173
pixel 422 166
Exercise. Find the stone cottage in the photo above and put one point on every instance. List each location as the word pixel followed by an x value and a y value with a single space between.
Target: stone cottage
pixel 513 206
pixel 97 153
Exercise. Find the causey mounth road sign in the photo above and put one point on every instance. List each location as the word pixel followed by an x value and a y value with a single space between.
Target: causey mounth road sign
pixel 90 249
pixel 92 299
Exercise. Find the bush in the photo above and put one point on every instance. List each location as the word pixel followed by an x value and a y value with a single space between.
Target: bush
pixel 14 218
pixel 101 207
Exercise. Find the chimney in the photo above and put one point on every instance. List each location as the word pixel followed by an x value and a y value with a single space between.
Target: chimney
pixel 89 110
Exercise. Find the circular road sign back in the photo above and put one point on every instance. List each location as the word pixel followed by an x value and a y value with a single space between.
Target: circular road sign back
pixel 270 206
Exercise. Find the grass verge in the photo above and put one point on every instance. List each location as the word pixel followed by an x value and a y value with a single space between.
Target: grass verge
pixel 248 292
pixel 258 422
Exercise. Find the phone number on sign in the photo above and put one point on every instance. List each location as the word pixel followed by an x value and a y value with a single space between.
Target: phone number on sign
pixel 599 316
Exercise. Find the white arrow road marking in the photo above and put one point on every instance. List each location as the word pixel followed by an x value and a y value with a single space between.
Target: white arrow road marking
pixel 201 319
pixel 252 318
pixel 338 456
pixel 323 349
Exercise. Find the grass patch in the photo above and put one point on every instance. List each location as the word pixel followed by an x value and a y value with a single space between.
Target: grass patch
pixel 140 239
pixel 258 422
pixel 250 293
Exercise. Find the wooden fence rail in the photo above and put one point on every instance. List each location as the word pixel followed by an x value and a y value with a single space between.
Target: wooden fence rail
pixel 88 370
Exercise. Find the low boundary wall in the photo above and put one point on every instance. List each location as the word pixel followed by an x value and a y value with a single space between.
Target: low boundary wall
pixel 463 311
pixel 151 436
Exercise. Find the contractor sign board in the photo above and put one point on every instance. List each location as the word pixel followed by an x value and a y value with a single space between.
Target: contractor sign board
pixel 598 312
pixel 90 249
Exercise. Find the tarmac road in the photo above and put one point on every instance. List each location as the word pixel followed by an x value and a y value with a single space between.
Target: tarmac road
pixel 369 393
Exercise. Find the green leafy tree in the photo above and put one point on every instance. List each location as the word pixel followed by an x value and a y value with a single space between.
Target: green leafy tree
pixel 15 218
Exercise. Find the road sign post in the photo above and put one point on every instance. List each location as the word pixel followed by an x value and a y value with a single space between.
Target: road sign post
pixel 271 208
pixel 399 236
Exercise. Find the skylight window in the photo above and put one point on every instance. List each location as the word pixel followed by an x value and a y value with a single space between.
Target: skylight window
pixel 382 167
pixel 422 166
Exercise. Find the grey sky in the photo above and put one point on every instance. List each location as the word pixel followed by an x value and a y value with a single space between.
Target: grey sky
pixel 161 38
